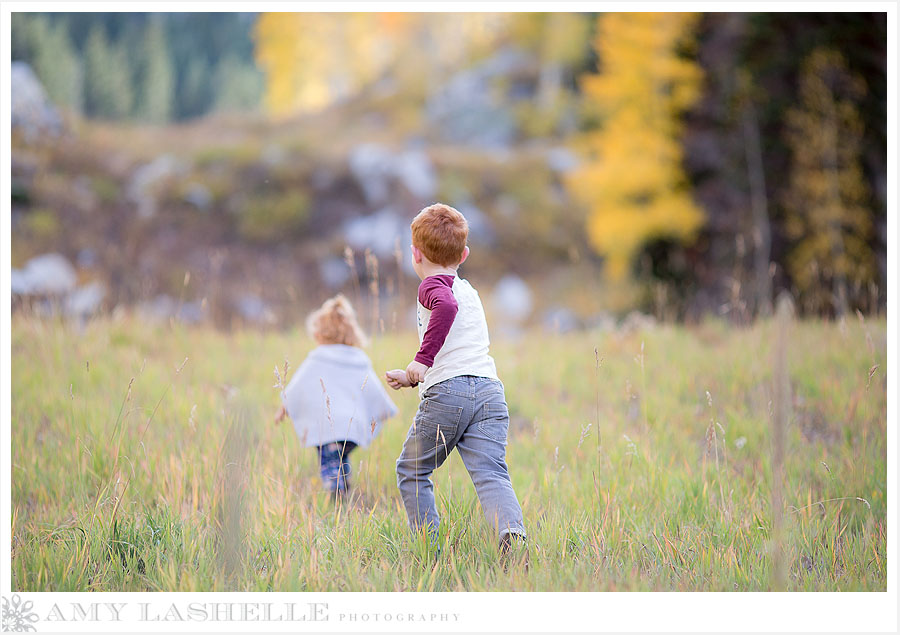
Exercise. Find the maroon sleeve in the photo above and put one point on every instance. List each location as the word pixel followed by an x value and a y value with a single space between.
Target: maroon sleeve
pixel 436 295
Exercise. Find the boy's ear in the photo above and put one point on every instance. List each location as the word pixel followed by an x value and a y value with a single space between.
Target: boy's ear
pixel 417 254
pixel 465 255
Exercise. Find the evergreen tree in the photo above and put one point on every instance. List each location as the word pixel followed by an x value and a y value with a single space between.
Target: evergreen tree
pixel 47 47
pixel 238 85
pixel 20 47
pixel 155 78
pixel 195 92
pixel 826 201
pixel 107 80
pixel 60 63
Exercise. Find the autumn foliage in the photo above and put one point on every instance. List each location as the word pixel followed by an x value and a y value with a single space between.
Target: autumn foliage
pixel 827 203
pixel 632 182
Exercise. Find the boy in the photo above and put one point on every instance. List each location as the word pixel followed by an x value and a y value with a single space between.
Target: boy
pixel 462 401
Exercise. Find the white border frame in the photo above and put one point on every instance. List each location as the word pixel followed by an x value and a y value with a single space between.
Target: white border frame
pixel 502 612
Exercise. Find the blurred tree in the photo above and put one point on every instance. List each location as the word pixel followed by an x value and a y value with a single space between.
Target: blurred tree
pixel 47 47
pixel 56 63
pixel 826 200
pixel 632 181
pixel 211 52
pixel 208 58
pixel 107 81
pixel 155 80
pixel 738 158
pixel 313 59
pixel 238 86
pixel 20 47
pixel 761 233
pixel 195 91
pixel 560 43
pixel 287 49
pixel 774 50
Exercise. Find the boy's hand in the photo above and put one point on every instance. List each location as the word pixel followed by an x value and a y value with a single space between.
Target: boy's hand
pixel 279 416
pixel 415 372
pixel 396 379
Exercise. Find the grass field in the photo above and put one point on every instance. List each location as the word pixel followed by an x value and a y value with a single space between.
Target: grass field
pixel 145 458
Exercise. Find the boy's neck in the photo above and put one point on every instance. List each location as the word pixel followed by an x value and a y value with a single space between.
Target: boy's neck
pixel 438 270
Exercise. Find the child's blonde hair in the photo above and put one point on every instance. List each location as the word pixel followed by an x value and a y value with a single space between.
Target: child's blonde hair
pixel 335 323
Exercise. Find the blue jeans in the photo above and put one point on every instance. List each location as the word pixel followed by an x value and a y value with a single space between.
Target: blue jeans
pixel 334 465
pixel 469 414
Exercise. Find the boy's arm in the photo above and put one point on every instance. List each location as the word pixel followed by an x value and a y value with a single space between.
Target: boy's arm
pixel 436 295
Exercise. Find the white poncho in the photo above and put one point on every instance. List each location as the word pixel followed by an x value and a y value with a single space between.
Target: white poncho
pixel 335 395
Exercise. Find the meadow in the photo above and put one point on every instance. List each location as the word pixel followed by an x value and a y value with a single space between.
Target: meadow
pixel 145 457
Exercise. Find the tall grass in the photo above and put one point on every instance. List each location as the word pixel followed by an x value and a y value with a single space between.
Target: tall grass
pixel 145 458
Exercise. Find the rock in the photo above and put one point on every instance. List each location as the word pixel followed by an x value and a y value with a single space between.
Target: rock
pixel 159 309
pixel 561 159
pixel 85 301
pixel 481 230
pixel 465 109
pixel 192 312
pixel 253 309
pixel 414 171
pixel 560 320
pixel 512 298
pixel 87 258
pixel 371 166
pixel 164 307
pixel 199 196
pixel 48 274
pixel 334 272
pixel 377 169
pixel 146 179
pixel 31 111
pixel 378 232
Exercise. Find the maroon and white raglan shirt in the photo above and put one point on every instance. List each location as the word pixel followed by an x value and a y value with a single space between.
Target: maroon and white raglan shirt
pixel 452 330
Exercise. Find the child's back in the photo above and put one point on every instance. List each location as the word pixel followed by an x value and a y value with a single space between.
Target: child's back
pixel 335 399
pixel 463 405
pixel 335 396
pixel 466 345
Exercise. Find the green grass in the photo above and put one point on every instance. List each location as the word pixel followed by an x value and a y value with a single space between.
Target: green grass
pixel 130 474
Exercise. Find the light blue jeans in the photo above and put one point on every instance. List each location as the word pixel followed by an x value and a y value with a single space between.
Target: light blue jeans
pixel 470 414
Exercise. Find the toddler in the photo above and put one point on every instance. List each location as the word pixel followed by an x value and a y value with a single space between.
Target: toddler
pixel 335 399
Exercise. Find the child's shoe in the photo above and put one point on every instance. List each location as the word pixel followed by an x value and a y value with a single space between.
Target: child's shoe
pixel 514 549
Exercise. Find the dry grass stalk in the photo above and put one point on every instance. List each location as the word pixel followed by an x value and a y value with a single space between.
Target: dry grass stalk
pixel 778 581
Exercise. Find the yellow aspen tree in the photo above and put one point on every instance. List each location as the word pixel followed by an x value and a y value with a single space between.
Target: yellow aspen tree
pixel 312 59
pixel 827 215
pixel 286 51
pixel 631 180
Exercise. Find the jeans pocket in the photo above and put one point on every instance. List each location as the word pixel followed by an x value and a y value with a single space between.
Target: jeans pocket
pixel 495 422
pixel 437 421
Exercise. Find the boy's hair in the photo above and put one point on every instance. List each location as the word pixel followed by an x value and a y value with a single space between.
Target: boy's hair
pixel 335 323
pixel 440 232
